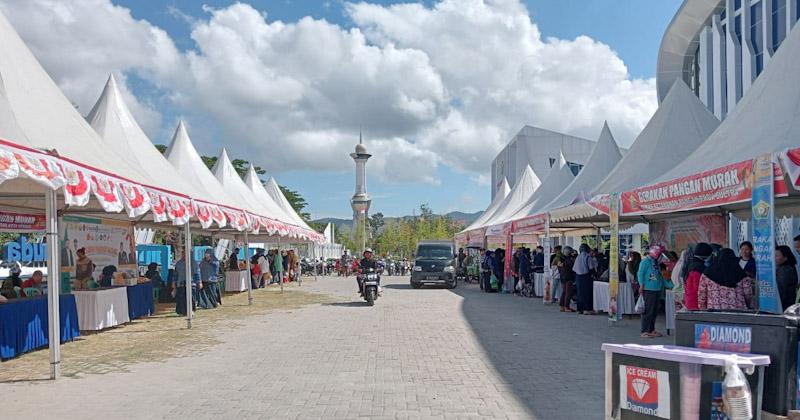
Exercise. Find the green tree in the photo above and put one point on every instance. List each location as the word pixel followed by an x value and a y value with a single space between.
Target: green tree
pixel 297 201
pixel 376 222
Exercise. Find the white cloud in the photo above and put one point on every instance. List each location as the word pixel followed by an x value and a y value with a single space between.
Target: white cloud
pixel 441 85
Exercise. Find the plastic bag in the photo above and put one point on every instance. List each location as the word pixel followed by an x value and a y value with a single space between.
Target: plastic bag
pixel 736 392
pixel 493 282
pixel 639 308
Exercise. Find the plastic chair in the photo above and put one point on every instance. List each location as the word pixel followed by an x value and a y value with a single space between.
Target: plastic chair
pixel 32 291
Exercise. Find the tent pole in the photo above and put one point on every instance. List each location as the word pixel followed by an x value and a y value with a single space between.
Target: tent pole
pixel 249 272
pixel 53 284
pixel 187 262
pixel 280 269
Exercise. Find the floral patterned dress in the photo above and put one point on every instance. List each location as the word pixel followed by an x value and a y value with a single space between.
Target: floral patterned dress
pixel 711 295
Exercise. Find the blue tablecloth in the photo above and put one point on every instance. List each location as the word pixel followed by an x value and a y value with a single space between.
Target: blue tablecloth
pixel 23 324
pixel 140 300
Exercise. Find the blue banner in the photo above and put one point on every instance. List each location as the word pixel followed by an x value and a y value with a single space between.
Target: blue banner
pixel 764 234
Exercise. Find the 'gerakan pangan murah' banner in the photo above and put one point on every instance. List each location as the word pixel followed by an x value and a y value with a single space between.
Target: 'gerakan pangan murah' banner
pixel 726 185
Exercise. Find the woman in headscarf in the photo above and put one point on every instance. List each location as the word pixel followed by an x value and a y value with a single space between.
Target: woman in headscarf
pixel 13 280
pixel 180 283
pixel 208 296
pixel 107 277
pixel 233 260
pixel 154 275
pixel 786 275
pixel 724 285
pixel 696 266
pixel 677 280
pixel 631 270
pixel 583 267
pixel 653 283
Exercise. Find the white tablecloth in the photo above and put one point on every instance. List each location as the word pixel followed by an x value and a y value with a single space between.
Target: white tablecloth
pixel 236 281
pixel 100 309
pixel 625 300
pixel 669 308
pixel 538 284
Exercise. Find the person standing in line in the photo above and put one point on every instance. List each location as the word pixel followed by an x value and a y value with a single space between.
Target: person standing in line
pixel 266 274
pixel 583 266
pixel 566 278
pixel 696 266
pixel 555 260
pixel 631 272
pixel 652 283
pixel 724 285
pixel 181 277
pixel 485 271
pixel 786 275
pixel 279 266
pixel 746 260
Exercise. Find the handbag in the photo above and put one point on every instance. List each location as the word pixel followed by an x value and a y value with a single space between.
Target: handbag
pixel 639 308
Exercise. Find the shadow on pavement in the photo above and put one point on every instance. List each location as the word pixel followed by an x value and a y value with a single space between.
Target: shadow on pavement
pixel 348 304
pixel 549 360
pixel 396 286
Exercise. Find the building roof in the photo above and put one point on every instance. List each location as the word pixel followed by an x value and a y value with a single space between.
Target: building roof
pixel 680 124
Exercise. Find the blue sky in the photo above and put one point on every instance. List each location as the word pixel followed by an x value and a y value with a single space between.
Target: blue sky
pixel 419 162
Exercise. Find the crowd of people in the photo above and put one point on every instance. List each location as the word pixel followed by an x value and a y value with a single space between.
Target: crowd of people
pixel 703 277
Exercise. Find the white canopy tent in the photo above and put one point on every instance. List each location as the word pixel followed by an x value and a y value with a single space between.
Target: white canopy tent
pixel 605 155
pixel 275 192
pixel 559 177
pixel 527 185
pixel 501 195
pixel 677 128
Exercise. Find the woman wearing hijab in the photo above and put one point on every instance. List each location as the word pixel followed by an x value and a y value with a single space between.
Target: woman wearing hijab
pixel 107 276
pixel 694 270
pixel 724 285
pixel 652 284
pixel 631 270
pixel 583 266
pixel 677 280
pixel 154 275
pixel 208 296
pixel 13 280
pixel 786 275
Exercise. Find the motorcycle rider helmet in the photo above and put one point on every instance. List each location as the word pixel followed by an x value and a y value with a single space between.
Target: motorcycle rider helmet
pixel 367 250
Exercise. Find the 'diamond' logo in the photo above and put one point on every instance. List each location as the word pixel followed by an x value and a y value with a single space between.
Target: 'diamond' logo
pixel 640 387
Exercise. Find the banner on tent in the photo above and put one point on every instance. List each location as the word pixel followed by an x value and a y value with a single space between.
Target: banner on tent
pixel 791 161
pixel 107 242
pixel 600 203
pixel 530 224
pixel 498 230
pixel 726 185
pixel 764 235
pixel 679 232
pixel 11 221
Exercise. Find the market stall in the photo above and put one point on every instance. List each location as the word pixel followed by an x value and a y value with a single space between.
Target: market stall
pixel 102 308
pixel 24 324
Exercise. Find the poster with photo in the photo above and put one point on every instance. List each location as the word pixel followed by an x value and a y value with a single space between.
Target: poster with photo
pixel 107 242
pixel 677 233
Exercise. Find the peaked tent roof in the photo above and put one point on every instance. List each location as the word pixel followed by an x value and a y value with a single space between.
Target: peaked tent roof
pixel 113 121
pixel 275 192
pixel 227 176
pixel 602 160
pixel 764 121
pixel 680 124
pixel 557 180
pixel 185 159
pixel 260 194
pixel 526 186
pixel 501 195
pixel 35 113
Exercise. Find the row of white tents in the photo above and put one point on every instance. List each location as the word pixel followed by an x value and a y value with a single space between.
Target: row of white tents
pixel 682 141
pixel 53 159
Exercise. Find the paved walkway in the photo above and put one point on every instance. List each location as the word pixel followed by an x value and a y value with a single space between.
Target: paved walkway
pixel 416 354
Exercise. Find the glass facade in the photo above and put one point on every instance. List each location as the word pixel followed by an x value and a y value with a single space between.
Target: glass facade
pixel 778 23
pixel 734 47
pixel 757 37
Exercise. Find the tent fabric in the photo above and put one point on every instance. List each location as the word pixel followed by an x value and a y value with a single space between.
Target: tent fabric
pixel 113 121
pixel 526 187
pixel 227 176
pixel 261 194
pixel 764 121
pixel 185 159
pixel 680 124
pixel 557 180
pixel 604 157
pixel 275 192
pixel 48 141
pixel 501 195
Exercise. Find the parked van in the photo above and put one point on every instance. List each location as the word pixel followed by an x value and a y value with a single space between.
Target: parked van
pixel 434 264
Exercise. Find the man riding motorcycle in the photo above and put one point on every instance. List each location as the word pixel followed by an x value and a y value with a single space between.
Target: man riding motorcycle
pixel 364 266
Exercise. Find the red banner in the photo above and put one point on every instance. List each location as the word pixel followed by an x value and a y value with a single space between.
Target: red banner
pixel 21 222
pixel 600 203
pixel 726 185
pixel 530 224
pixel 791 160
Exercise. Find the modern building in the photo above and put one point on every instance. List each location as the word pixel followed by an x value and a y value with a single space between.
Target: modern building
pixel 719 47
pixel 538 148
pixel 361 199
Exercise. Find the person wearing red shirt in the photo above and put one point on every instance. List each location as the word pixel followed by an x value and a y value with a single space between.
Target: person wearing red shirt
pixel 702 252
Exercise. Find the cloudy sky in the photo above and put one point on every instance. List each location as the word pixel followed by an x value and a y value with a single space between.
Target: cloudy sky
pixel 436 87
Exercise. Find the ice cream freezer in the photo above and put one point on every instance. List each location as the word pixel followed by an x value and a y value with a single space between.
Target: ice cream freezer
pixel 672 382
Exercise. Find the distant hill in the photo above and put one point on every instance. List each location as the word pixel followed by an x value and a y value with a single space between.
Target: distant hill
pixel 464 218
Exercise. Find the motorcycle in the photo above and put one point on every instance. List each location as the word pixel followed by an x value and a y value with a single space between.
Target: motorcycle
pixel 370 282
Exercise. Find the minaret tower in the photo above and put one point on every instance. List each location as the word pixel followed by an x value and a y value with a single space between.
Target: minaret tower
pixel 360 201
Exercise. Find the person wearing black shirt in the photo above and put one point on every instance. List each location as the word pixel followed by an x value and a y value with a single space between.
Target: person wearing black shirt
pixel 364 266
